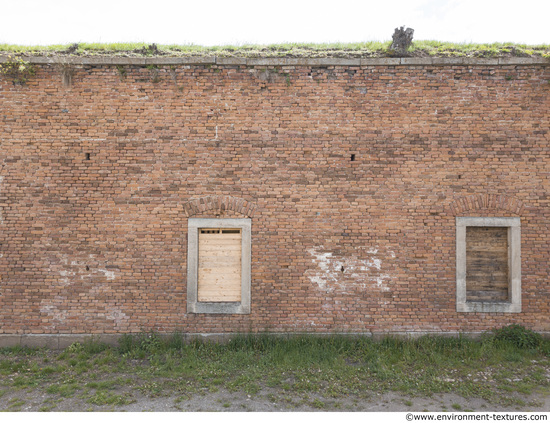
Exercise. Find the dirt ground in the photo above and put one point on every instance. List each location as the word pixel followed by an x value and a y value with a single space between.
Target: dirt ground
pixel 270 400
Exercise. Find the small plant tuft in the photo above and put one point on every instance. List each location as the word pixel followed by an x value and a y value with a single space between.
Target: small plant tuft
pixel 75 348
pixel 121 72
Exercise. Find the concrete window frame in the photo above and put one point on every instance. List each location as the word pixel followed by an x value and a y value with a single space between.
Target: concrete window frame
pixel 514 265
pixel 193 305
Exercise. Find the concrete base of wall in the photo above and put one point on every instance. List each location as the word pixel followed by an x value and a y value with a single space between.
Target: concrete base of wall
pixel 62 341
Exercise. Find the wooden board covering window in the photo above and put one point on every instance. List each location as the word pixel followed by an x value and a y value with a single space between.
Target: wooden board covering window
pixel 219 269
pixel 487 272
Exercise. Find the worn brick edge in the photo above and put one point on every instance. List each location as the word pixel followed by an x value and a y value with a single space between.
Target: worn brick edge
pixel 486 201
pixel 62 341
pixel 320 62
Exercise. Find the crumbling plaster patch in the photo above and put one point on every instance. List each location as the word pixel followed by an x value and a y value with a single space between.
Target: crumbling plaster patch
pixel 76 272
pixel 343 274
pixel 1 209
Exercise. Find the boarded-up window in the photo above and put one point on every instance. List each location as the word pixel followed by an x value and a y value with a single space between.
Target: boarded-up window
pixel 219 265
pixel 219 258
pixel 487 269
pixel 488 264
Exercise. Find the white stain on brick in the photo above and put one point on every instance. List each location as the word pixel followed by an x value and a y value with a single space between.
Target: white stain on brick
pixel 109 274
pixel 345 274
pixel 114 313
pixel 65 275
pixel 52 311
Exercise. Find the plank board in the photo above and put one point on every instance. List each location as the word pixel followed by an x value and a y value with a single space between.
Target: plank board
pixel 487 272
pixel 219 278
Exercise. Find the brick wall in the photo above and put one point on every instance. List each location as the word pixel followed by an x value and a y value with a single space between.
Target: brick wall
pixel 98 179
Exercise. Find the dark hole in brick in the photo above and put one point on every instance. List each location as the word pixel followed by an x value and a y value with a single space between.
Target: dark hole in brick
pixel 353 157
pixel 342 269
pixel 459 176
pixel 87 268
pixel 87 156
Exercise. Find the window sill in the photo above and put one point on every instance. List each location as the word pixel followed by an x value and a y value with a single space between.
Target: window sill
pixel 218 308
pixel 488 307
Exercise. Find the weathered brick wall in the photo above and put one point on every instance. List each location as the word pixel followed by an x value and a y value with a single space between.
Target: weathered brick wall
pixel 99 178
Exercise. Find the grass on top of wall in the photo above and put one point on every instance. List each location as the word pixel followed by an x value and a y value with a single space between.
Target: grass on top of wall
pixel 502 368
pixel 344 50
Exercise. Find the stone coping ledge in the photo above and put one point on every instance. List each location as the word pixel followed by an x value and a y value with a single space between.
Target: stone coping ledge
pixel 314 62
pixel 62 341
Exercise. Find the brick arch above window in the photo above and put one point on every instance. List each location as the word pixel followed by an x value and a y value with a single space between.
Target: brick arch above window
pixel 218 204
pixel 486 202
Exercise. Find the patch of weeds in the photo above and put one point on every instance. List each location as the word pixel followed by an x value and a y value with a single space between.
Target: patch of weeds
pixel 24 382
pixel 217 381
pixel 75 348
pixel 176 340
pixel 512 401
pixel 143 342
pixel 15 404
pixel 535 403
pixel 106 385
pixel 18 70
pixel 408 403
pixel 287 79
pixel 286 386
pixel 48 370
pixel 20 351
pixel 92 347
pixel 456 406
pixel 155 77
pixel 63 356
pixel 273 381
pixel 363 49
pixel 317 403
pixel 122 72
pixel 518 336
pixel 181 398
pixel 513 356
pixel 226 405
pixel 82 367
pixel 246 383
pixel 105 398
pixel 152 389
pixel 505 388
pixel 106 359
pixel 66 390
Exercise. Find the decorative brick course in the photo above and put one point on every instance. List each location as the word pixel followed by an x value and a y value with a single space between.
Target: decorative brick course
pixel 98 179
pixel 486 201
pixel 219 205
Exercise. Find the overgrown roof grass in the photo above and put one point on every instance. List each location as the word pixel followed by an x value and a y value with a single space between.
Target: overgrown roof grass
pixel 344 50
